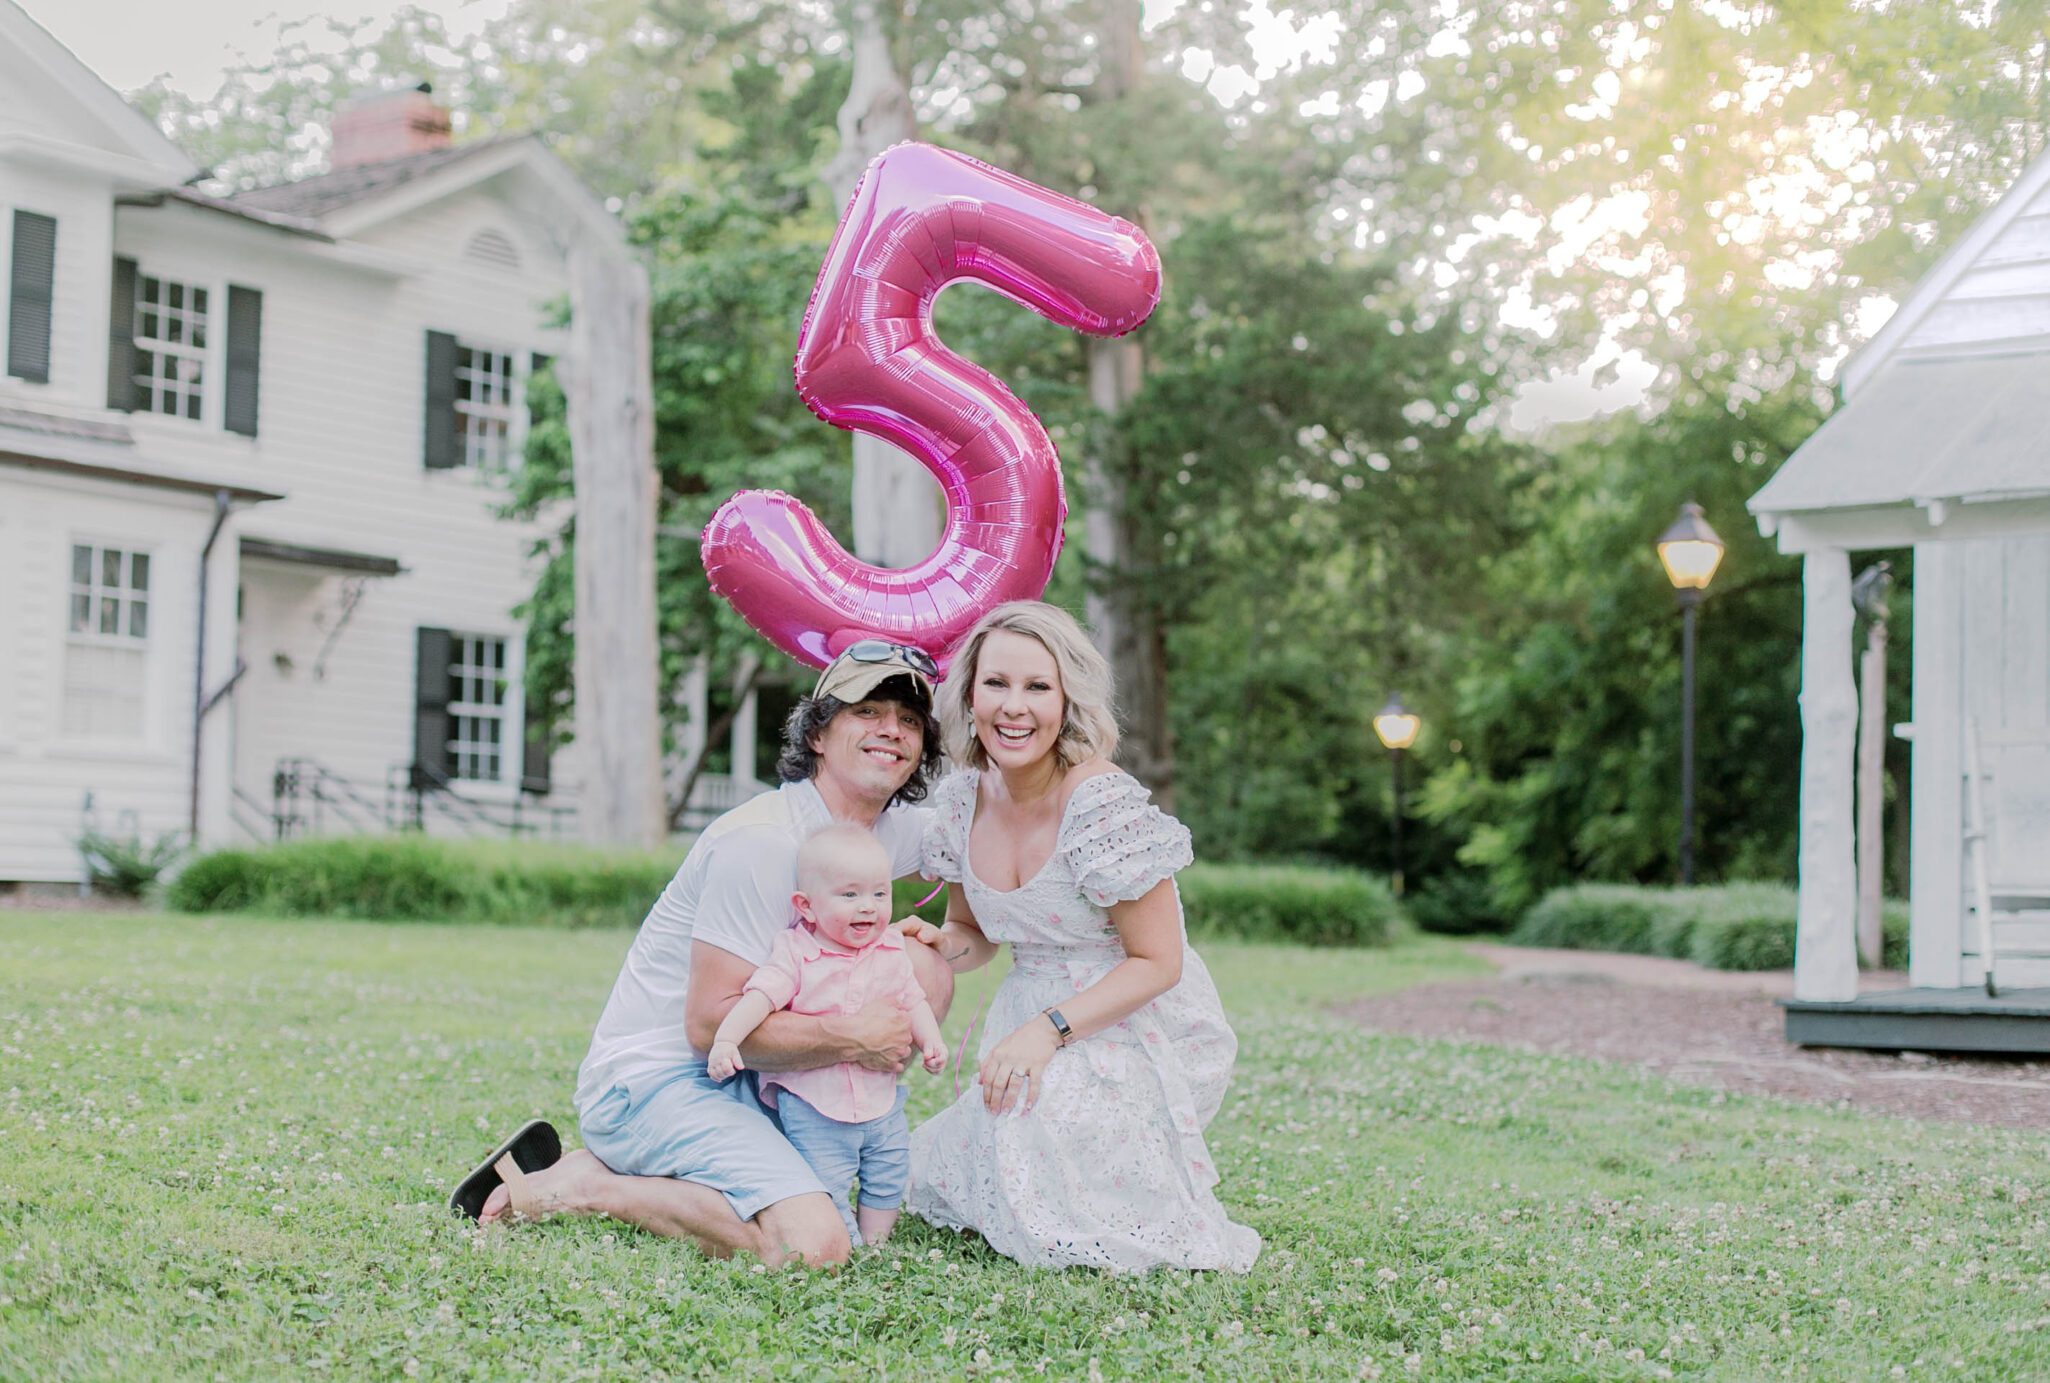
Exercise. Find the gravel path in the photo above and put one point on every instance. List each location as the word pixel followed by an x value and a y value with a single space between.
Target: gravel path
pixel 1704 1027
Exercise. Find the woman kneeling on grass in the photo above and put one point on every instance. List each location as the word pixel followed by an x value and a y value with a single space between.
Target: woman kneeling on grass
pixel 1084 1143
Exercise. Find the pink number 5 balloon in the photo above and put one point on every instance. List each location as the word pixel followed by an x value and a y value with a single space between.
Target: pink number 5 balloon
pixel 868 361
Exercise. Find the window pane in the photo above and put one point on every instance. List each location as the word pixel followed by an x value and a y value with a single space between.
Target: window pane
pixel 110 566
pixel 138 572
pixel 138 619
pixel 81 565
pixel 192 407
pixel 149 291
pixel 174 295
pixel 110 615
pixel 81 613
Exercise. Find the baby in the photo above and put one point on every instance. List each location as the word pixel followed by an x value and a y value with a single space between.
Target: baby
pixel 840 954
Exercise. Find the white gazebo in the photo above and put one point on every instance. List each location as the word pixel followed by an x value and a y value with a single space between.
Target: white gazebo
pixel 1942 443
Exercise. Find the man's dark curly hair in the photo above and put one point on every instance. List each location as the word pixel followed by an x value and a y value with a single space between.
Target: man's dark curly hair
pixel 799 762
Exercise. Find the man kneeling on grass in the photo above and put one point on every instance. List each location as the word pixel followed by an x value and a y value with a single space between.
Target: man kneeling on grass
pixel 667 1148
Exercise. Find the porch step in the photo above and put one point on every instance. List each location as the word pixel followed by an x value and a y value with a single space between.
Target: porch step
pixel 1926 1020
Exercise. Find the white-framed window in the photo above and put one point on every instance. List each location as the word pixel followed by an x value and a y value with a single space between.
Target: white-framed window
pixel 478 715
pixel 106 655
pixel 485 391
pixel 170 347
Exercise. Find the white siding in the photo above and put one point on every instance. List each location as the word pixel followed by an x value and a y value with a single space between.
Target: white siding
pixel 2003 611
pixel 341 434
pixel 45 775
pixel 83 209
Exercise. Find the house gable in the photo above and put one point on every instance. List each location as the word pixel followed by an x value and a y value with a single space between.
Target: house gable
pixel 1990 291
pixel 53 106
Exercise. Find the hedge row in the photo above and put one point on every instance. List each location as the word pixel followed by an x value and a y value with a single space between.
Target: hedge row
pixel 1732 927
pixel 412 878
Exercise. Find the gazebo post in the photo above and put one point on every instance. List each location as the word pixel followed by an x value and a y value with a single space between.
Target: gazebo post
pixel 1825 948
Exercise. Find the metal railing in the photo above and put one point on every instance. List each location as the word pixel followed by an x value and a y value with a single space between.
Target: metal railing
pixel 426 797
pixel 310 799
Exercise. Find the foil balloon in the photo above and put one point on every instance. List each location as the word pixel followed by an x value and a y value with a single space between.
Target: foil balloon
pixel 868 361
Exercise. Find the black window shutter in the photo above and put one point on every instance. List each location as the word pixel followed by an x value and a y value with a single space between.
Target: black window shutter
pixel 534 755
pixel 121 338
pixel 245 358
pixel 430 716
pixel 28 304
pixel 442 452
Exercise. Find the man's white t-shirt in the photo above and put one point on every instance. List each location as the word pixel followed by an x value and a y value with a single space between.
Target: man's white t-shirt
pixel 732 891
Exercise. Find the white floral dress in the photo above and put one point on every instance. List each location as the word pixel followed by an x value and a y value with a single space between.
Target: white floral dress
pixel 1109 1169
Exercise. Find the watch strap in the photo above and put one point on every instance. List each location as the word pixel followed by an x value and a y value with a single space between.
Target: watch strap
pixel 1060 1025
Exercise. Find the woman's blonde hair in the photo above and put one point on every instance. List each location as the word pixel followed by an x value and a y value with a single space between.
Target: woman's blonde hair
pixel 1089 727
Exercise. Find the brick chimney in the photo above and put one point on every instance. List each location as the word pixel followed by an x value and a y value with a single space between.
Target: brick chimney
pixel 387 125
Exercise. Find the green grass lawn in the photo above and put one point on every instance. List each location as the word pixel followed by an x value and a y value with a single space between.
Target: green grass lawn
pixel 227 1144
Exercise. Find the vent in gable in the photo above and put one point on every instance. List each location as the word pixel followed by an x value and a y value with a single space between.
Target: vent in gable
pixel 493 249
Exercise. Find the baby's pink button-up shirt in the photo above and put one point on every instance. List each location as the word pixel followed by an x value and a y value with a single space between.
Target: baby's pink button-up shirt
pixel 808 974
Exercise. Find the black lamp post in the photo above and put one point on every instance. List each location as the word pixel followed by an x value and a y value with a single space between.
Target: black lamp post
pixel 1397 729
pixel 1690 552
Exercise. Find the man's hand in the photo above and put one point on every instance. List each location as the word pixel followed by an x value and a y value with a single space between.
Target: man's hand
pixel 724 1061
pixel 879 1037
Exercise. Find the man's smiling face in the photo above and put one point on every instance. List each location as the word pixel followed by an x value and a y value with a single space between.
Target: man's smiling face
pixel 870 749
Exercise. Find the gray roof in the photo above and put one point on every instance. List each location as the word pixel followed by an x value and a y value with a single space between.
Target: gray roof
pixel 1961 428
pixel 192 196
pixel 312 198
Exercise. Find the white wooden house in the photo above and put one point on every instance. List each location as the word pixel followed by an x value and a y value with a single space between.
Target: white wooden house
pixel 251 451
pixel 1942 443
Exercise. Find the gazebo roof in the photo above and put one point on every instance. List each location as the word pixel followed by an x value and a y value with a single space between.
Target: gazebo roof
pixel 1926 431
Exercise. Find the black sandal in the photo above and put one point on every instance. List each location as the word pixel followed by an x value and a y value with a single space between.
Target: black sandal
pixel 534 1146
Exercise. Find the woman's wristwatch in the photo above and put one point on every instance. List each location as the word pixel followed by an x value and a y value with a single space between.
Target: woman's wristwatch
pixel 1060 1025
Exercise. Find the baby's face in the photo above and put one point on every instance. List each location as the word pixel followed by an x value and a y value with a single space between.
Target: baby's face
pixel 847 898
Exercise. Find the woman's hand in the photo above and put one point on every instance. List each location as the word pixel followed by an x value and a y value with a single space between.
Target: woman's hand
pixel 1018 1065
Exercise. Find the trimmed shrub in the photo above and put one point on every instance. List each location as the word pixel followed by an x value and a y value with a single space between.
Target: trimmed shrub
pixel 1591 917
pixel 1741 927
pixel 1301 903
pixel 1456 904
pixel 1744 926
pixel 412 878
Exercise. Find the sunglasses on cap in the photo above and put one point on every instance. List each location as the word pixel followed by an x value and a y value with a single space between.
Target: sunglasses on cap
pixel 883 651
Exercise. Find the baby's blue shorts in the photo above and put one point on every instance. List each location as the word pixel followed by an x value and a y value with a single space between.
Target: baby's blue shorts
pixel 877 1150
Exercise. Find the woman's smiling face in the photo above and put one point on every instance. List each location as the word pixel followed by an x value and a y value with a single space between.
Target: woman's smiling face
pixel 1018 703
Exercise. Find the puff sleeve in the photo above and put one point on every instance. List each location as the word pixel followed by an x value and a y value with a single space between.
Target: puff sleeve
pixel 1118 844
pixel 946 830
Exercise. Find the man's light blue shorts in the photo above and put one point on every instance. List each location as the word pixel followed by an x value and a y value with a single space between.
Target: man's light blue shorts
pixel 689 1127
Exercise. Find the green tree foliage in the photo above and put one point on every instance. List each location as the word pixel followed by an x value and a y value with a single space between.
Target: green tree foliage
pixel 1366 252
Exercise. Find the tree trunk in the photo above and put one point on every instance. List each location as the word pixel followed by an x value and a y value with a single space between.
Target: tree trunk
pixel 607 379
pixel 898 508
pixel 1127 623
